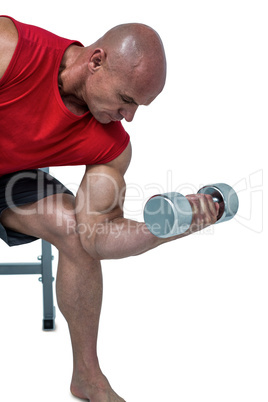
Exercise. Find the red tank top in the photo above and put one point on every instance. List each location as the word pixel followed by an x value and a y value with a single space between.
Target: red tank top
pixel 36 128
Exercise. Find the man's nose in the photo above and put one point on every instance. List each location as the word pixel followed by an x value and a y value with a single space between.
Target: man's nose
pixel 128 113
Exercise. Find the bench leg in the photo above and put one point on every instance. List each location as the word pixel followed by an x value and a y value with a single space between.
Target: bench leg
pixel 47 280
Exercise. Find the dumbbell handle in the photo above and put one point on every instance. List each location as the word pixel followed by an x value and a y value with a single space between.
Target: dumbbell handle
pixel 170 214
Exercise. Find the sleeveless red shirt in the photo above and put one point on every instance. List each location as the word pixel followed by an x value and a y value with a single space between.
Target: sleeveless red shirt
pixel 36 128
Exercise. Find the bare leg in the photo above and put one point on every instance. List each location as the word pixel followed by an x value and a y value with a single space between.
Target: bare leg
pixel 79 294
pixel 79 291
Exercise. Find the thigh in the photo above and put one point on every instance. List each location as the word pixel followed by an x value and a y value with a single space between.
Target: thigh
pixel 33 204
pixel 51 218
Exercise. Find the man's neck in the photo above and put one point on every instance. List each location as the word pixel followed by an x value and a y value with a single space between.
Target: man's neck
pixel 68 79
pixel 73 104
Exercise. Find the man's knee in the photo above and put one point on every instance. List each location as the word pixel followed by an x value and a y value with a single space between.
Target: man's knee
pixel 64 225
pixel 71 236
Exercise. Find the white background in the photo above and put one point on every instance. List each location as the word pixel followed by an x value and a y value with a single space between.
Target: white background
pixel 186 322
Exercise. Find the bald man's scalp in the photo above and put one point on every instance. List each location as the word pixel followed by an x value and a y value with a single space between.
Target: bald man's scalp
pixel 132 42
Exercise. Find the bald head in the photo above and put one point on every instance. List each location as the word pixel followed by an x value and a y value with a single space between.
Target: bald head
pixel 122 70
pixel 133 39
pixel 135 48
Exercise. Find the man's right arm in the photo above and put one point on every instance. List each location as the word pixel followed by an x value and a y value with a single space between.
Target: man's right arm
pixel 104 232
pixel 8 43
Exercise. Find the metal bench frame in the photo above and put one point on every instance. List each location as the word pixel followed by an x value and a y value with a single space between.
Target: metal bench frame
pixel 43 268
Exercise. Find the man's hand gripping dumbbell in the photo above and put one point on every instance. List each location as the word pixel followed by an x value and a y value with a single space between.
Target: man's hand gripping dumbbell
pixel 172 214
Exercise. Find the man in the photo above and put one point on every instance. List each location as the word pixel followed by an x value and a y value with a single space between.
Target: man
pixel 60 104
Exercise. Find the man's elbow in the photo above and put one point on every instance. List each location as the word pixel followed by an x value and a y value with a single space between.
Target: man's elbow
pixel 87 235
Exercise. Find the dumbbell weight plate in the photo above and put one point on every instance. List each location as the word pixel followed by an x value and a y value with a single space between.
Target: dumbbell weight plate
pixel 168 214
pixel 226 197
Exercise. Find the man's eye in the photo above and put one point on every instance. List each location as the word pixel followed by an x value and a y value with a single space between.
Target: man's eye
pixel 125 100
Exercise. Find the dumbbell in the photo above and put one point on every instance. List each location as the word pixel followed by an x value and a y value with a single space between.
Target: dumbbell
pixel 170 214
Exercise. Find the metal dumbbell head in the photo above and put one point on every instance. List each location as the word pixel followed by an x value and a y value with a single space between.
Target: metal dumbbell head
pixel 168 214
pixel 226 197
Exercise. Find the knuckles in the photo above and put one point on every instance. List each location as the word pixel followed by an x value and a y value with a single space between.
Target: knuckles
pixel 204 210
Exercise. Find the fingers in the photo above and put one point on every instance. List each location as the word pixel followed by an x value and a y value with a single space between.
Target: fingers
pixel 213 206
pixel 204 209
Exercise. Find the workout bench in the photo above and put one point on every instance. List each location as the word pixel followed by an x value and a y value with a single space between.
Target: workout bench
pixel 43 268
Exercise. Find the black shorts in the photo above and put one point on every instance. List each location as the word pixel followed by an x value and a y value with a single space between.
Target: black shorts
pixel 20 188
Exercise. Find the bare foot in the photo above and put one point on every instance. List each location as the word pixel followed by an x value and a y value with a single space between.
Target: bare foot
pixel 97 390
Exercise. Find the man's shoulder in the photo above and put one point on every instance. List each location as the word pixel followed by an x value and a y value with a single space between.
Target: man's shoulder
pixel 120 164
pixel 8 42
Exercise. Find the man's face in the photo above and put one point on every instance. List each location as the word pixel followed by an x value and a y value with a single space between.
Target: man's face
pixel 109 101
pixel 116 96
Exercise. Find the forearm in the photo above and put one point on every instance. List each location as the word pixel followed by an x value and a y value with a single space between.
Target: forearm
pixel 119 238
pixel 106 234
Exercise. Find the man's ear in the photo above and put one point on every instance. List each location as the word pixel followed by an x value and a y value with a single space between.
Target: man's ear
pixel 96 60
